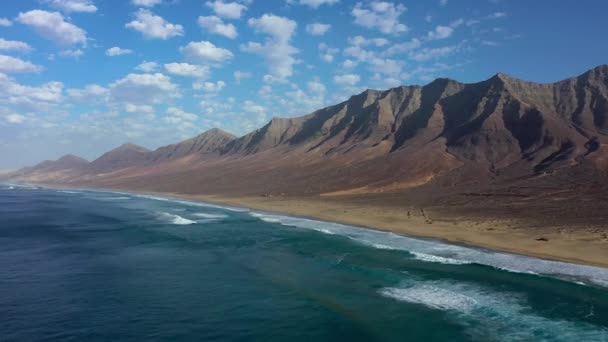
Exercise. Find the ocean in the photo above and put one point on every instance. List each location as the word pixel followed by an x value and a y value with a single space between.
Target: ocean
pixel 79 265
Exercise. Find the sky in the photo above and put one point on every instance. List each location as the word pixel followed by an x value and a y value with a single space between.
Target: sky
pixel 84 76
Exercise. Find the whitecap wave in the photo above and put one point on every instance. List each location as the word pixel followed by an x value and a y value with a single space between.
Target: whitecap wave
pixel 433 297
pixel 176 219
pixel 210 216
pixel 491 314
pixel 439 259
pixel 435 251
pixel 69 192
pixel 191 203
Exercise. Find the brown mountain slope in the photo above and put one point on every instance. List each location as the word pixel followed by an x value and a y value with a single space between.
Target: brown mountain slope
pixel 443 133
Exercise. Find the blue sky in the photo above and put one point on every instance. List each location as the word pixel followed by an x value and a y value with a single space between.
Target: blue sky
pixel 83 76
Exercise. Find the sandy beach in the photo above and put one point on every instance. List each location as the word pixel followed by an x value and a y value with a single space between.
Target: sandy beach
pixel 576 246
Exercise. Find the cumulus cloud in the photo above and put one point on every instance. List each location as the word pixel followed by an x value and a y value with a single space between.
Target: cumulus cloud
pixel 10 64
pixel 53 26
pixel 5 22
pixel 403 47
pixel 154 26
pixel 48 92
pixel 14 45
pixel 92 93
pixel 209 87
pixel 146 66
pixel 76 53
pixel 14 118
pixel 362 41
pixel 317 29
pixel 177 115
pixel 327 53
pixel 205 52
pixel 117 51
pixel 347 79
pixel 143 88
pixel 314 3
pixel 380 15
pixel 440 32
pixel 146 3
pixel 187 70
pixel 230 10
pixel 73 5
pixel 239 75
pixel 432 53
pixel 276 50
pixel 216 25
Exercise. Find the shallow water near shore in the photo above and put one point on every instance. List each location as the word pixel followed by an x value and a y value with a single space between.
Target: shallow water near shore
pixel 96 266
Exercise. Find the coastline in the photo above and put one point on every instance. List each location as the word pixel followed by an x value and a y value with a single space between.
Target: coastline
pixel 497 235
pixel 492 235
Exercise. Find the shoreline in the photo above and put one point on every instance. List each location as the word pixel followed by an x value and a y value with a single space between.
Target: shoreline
pixel 500 237
pixel 490 235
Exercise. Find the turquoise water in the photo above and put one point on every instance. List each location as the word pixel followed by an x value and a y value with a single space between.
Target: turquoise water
pixel 100 266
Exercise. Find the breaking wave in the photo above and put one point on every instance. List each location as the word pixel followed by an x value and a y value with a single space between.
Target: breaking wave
pixel 490 314
pixel 438 252
pixel 176 219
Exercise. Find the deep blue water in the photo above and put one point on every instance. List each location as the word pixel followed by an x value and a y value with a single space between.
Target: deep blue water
pixel 100 266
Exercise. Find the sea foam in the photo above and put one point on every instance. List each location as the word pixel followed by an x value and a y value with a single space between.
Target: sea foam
pixel 489 314
pixel 176 219
pixel 438 252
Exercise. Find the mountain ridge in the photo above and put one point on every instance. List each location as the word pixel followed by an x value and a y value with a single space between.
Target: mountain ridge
pixel 401 137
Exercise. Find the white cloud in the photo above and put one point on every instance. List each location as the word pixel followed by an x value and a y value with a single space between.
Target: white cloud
pixel 73 5
pixel 386 66
pixel 317 29
pixel 239 75
pixel 252 107
pixel 205 51
pixel 316 87
pixel 276 50
pixel 15 118
pixel 147 66
pixel 440 32
pixel 187 70
pixel 52 25
pixel 403 47
pixel 48 92
pixel 5 22
pixel 215 25
pixel 10 64
pixel 177 115
pixel 314 3
pixel 380 15
pixel 154 26
pixel 432 53
pixel 143 88
pixel 347 79
pixel 133 108
pixel 71 53
pixel 209 86
pixel 146 3
pixel 14 45
pixel 362 41
pixel 92 93
pixel 117 51
pixel 443 2
pixel 230 10
pixel 327 53
pixel 496 15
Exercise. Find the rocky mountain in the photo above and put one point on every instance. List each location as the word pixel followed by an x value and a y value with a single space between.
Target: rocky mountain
pixel 445 132
pixel 209 142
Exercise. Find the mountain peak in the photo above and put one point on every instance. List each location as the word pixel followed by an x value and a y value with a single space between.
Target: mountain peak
pixel 130 147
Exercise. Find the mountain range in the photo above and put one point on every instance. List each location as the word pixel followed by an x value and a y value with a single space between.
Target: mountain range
pixel 444 135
